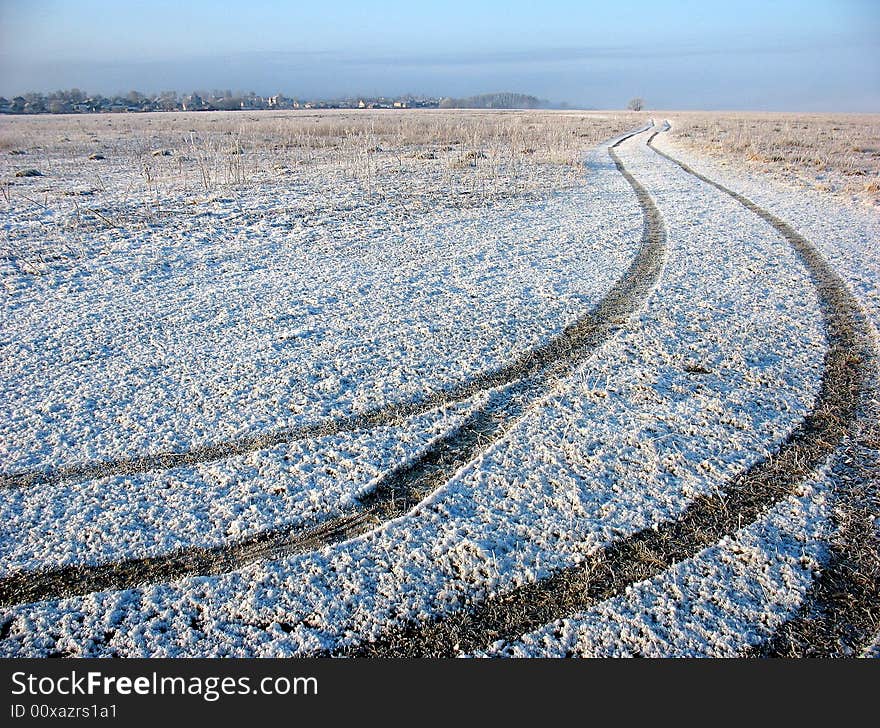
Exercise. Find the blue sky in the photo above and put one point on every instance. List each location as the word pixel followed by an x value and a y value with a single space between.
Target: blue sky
pixel 786 55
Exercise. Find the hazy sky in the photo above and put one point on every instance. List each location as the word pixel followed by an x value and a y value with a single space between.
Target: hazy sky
pixel 758 54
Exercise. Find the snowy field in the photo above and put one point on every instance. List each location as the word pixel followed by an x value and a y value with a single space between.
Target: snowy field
pixel 430 383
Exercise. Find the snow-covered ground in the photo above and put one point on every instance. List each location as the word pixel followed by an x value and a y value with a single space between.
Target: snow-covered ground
pixel 203 332
pixel 193 336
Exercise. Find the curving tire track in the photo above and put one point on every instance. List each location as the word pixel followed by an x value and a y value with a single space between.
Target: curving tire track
pixel 519 385
pixel 848 385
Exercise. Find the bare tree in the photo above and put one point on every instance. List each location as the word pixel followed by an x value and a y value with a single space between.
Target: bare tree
pixel 636 104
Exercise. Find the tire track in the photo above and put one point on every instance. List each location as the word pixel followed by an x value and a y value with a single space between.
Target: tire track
pixel 523 366
pixel 848 382
pixel 530 377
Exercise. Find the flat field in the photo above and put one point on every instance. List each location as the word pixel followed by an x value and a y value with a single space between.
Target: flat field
pixel 439 383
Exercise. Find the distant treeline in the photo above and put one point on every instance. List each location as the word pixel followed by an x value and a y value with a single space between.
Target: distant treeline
pixel 495 101
pixel 75 101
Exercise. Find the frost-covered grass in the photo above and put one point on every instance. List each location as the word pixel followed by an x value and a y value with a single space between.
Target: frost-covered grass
pixel 133 171
pixel 202 329
pixel 279 271
pixel 838 153
pixel 721 364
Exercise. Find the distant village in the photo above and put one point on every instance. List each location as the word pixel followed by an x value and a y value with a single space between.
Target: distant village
pixel 77 102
